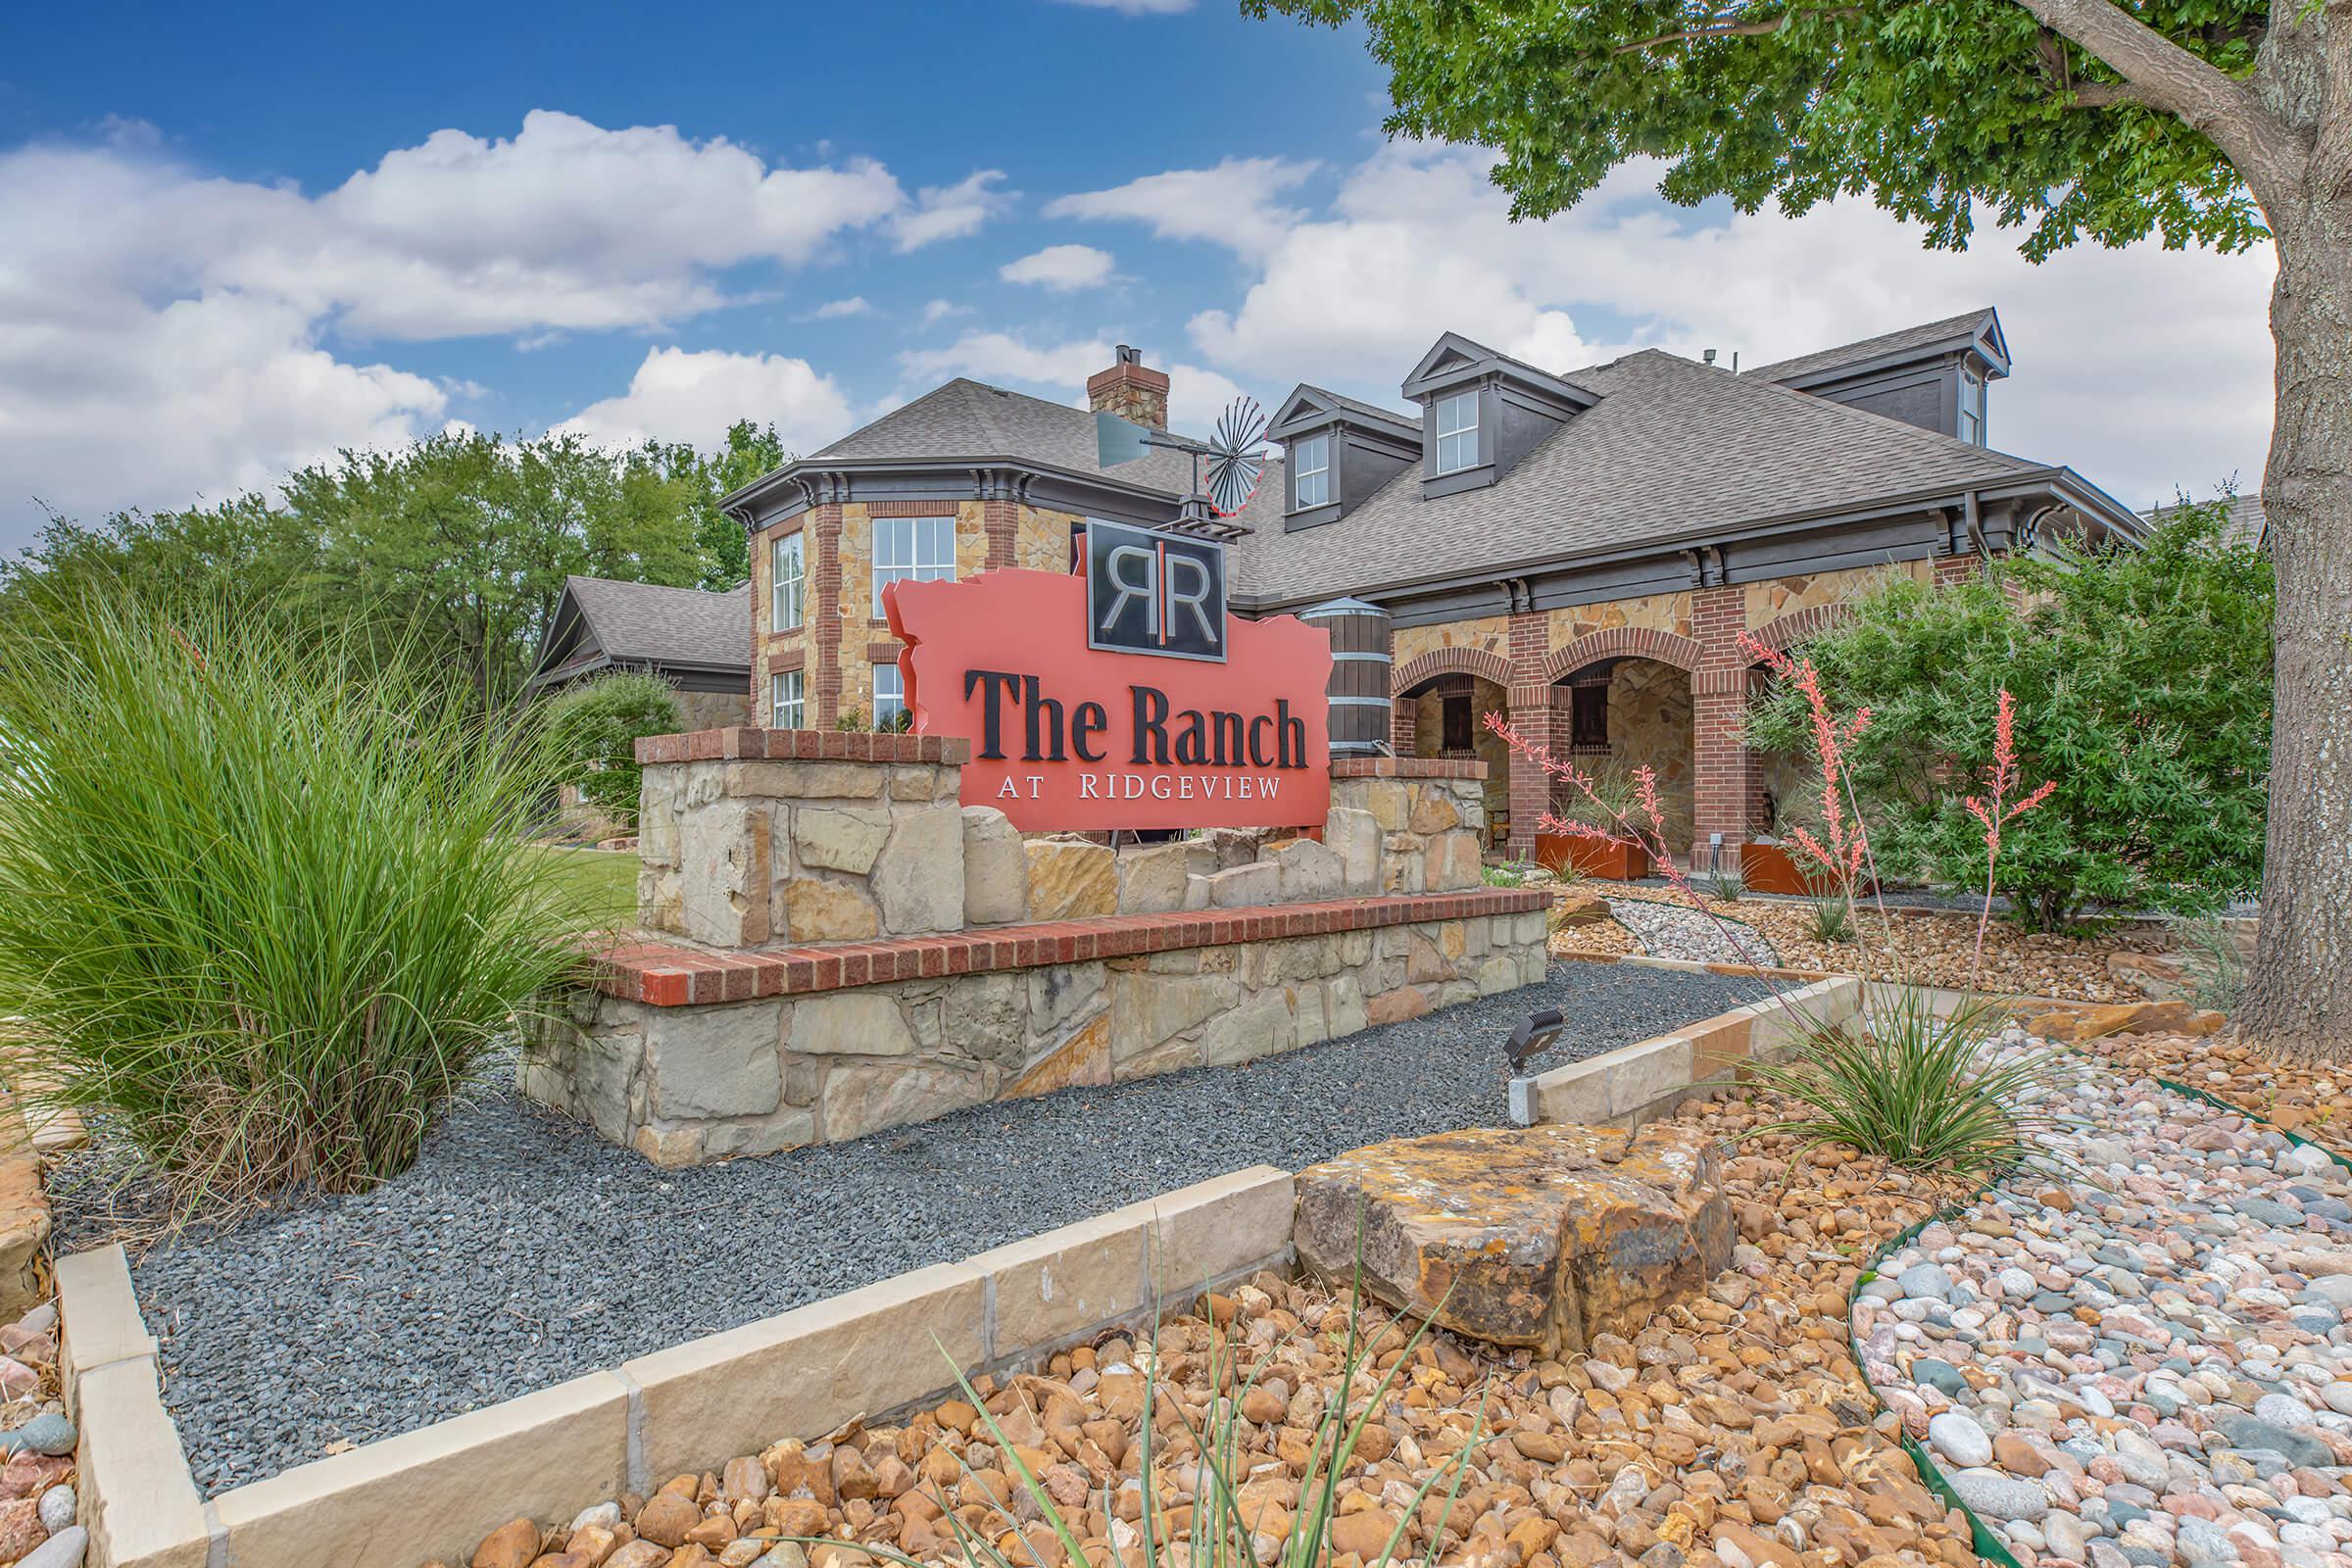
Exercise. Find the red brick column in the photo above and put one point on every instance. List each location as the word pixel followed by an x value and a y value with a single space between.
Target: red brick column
pixel 1405 718
pixel 1727 794
pixel 1532 715
pixel 824 615
pixel 1950 569
pixel 1541 714
pixel 1000 521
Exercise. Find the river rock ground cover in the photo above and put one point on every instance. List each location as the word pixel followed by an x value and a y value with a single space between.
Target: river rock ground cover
pixel 2146 1361
pixel 520 1249
pixel 1929 947
pixel 1733 1431
pixel 2312 1100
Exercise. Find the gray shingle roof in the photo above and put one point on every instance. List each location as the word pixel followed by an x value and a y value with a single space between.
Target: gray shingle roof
pixel 1673 448
pixel 1871 348
pixel 2246 524
pixel 643 621
pixel 967 419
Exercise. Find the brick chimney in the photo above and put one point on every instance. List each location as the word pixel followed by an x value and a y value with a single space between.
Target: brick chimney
pixel 1130 390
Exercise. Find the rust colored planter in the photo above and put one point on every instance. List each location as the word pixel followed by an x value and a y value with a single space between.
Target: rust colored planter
pixel 1771 868
pixel 1595 857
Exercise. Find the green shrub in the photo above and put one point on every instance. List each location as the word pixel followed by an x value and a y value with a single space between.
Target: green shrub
pixel 595 727
pixel 1912 1087
pixel 2143 687
pixel 263 906
pixel 1725 885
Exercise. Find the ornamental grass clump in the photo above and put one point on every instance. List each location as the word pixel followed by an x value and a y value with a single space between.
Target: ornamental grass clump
pixel 263 904
pixel 1916 1087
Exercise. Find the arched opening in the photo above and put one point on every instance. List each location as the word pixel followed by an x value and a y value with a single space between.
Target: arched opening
pixel 1448 718
pixel 1615 714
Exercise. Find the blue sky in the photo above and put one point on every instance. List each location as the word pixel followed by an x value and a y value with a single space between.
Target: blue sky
pixel 232 241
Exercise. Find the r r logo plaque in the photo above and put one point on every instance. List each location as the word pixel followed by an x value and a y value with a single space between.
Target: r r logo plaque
pixel 1154 593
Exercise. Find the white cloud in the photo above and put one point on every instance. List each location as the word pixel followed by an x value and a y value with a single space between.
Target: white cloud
pixel 938 311
pixel 1004 357
pixel 836 310
pixel 136 406
pixel 693 396
pixel 1418 242
pixel 1135 8
pixel 164 331
pixel 950 212
pixel 1196 395
pixel 1233 204
pixel 1060 268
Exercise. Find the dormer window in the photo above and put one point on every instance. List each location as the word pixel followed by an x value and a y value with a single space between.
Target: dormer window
pixel 1456 421
pixel 1971 407
pixel 1310 472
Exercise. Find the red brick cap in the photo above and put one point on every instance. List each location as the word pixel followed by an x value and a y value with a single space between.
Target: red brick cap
pixel 663 974
pixel 1406 767
pixel 802 745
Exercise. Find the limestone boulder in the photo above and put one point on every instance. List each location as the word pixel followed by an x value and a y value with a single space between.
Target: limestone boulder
pixel 2174 1017
pixel 996 868
pixel 1542 1237
pixel 918 878
pixel 1071 879
pixel 1308 870
pixel 1152 878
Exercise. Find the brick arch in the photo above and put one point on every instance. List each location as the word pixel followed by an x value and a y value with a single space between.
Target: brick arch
pixel 1479 662
pixel 1622 642
pixel 1784 632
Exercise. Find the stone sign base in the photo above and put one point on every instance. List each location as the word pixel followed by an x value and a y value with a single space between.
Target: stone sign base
pixel 831 944
pixel 705 1080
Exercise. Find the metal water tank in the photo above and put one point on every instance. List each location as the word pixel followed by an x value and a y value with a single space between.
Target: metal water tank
pixel 1358 692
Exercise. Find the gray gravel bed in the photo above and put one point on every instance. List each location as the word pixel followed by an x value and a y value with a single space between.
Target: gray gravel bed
pixel 520 1249
pixel 1670 931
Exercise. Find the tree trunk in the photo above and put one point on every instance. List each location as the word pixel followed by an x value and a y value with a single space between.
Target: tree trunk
pixel 2299 999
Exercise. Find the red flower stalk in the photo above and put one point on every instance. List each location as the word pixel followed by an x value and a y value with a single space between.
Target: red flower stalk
pixel 2001 810
pixel 1848 846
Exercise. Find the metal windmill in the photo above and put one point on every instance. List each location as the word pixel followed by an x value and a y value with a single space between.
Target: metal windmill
pixel 1235 455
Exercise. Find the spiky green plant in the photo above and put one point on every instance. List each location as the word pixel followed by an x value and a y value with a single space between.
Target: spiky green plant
pixel 1222 1532
pixel 1831 917
pixel 2214 959
pixel 263 904
pixel 1916 1087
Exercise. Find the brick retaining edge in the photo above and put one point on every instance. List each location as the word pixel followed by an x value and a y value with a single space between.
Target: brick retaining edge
pixel 663 974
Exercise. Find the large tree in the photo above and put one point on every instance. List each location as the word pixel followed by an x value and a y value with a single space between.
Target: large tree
pixel 2219 122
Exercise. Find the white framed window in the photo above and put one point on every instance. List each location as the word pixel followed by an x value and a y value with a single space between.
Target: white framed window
pixel 913 550
pixel 791 709
pixel 890 697
pixel 789 580
pixel 1971 407
pixel 1456 422
pixel 1310 471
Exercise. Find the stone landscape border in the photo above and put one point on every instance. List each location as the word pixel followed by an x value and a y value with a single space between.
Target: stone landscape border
pixel 1650 1078
pixel 440 1489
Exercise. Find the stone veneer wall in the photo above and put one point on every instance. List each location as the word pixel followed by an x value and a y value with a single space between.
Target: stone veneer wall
pixel 684 1085
pixel 943 960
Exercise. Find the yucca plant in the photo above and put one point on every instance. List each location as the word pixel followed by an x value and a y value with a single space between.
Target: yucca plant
pixel 1222 1532
pixel 2215 962
pixel 1831 917
pixel 1917 1088
pixel 263 901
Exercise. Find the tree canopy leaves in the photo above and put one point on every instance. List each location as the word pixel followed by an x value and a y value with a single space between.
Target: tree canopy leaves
pixel 460 543
pixel 1935 112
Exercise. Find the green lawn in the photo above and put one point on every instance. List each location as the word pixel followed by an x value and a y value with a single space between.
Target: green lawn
pixel 608 877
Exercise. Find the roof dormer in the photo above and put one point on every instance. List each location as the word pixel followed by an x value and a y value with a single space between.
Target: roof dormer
pixel 1933 375
pixel 1482 412
pixel 1337 453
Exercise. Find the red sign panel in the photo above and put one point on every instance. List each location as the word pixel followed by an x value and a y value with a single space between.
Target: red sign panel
pixel 1070 737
